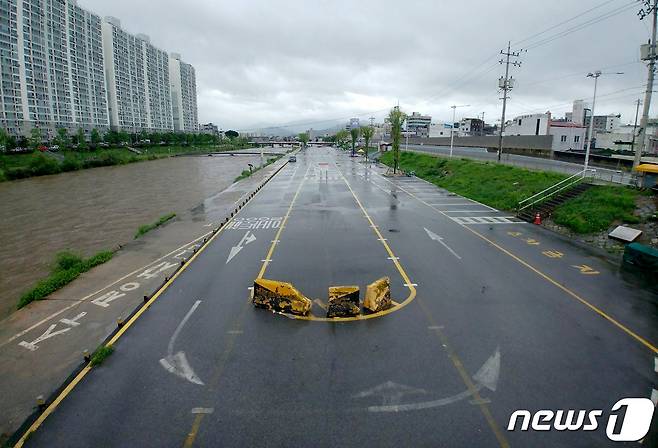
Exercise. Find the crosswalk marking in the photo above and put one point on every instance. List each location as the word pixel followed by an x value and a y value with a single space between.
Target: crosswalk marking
pixel 486 220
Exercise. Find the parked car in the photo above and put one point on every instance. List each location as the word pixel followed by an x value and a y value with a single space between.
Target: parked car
pixel 292 159
pixel 54 148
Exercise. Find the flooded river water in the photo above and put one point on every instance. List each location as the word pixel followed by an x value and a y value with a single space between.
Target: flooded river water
pixel 95 209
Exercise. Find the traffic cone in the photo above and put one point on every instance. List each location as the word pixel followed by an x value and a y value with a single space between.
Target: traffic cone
pixel 537 219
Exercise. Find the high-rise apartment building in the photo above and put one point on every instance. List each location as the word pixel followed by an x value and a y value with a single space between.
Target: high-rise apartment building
pixel 183 94
pixel 137 76
pixel 61 66
pixel 52 63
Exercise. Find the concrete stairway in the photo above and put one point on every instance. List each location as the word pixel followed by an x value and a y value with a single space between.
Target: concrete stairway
pixel 545 208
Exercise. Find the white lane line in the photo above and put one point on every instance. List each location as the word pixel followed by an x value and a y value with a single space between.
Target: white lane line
pixel 654 396
pixel 73 305
pixel 439 239
pixel 393 258
pixel 444 204
pixel 203 410
pixel 410 284
pixel 655 364
pixel 467 211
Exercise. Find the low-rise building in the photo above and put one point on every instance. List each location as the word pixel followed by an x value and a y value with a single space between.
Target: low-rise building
pixel 419 125
pixel 469 127
pixel 440 129
pixel 353 124
pixel 567 136
pixel 209 128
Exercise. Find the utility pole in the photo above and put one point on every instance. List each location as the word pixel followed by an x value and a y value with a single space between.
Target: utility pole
pixel 637 111
pixel 650 7
pixel 482 130
pixel 506 84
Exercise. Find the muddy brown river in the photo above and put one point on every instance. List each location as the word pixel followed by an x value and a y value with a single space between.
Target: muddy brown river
pixel 95 209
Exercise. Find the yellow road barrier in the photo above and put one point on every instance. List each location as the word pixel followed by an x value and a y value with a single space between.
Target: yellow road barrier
pixel 378 295
pixel 280 296
pixel 343 301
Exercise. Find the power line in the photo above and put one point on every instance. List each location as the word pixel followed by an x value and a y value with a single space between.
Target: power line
pixel 581 26
pixel 562 23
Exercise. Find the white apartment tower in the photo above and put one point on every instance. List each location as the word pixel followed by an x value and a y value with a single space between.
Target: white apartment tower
pixel 52 67
pixel 183 94
pixel 61 66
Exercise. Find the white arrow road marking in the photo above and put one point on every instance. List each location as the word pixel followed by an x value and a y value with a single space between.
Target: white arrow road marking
pixel 390 392
pixel 177 363
pixel 436 237
pixel 246 239
pixel 486 377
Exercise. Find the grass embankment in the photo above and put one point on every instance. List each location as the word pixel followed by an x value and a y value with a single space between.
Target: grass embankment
pixel 67 267
pixel 148 227
pixel 597 208
pixel 19 166
pixel 247 173
pixel 502 187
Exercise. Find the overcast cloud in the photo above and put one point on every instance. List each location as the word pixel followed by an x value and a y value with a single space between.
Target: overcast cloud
pixel 273 62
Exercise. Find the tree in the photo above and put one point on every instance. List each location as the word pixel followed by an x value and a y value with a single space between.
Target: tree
pixel 82 139
pixel 396 117
pixel 342 137
pixel 354 133
pixel 303 137
pixel 367 132
pixel 4 139
pixel 35 138
pixel 123 137
pixel 231 134
pixel 95 137
pixel 62 139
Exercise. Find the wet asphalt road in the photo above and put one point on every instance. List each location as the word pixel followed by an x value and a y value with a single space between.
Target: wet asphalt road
pixel 499 316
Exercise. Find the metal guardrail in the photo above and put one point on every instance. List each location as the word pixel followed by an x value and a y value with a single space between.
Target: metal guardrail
pixel 552 190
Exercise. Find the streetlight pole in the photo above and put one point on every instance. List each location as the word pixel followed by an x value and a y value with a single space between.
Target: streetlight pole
pixel 596 76
pixel 452 125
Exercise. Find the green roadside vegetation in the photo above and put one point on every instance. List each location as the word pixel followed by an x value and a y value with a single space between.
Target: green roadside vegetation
pixel 247 173
pixel 18 166
pixel 597 208
pixel 67 267
pixel 148 227
pixel 101 354
pixel 502 187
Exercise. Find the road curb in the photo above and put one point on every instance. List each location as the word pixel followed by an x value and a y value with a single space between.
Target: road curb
pixel 34 420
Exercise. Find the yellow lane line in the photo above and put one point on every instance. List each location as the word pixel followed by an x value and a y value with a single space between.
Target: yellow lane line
pixel 268 257
pixel 67 390
pixel 191 437
pixel 459 366
pixel 465 377
pixel 403 274
pixel 546 277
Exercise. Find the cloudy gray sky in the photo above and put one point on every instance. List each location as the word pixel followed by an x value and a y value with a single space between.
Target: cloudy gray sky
pixel 272 62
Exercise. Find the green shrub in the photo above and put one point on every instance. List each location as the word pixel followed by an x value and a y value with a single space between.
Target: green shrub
pixel 70 164
pixel 597 209
pixel 148 227
pixel 101 355
pixel 19 172
pixel 41 165
pixel 66 268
